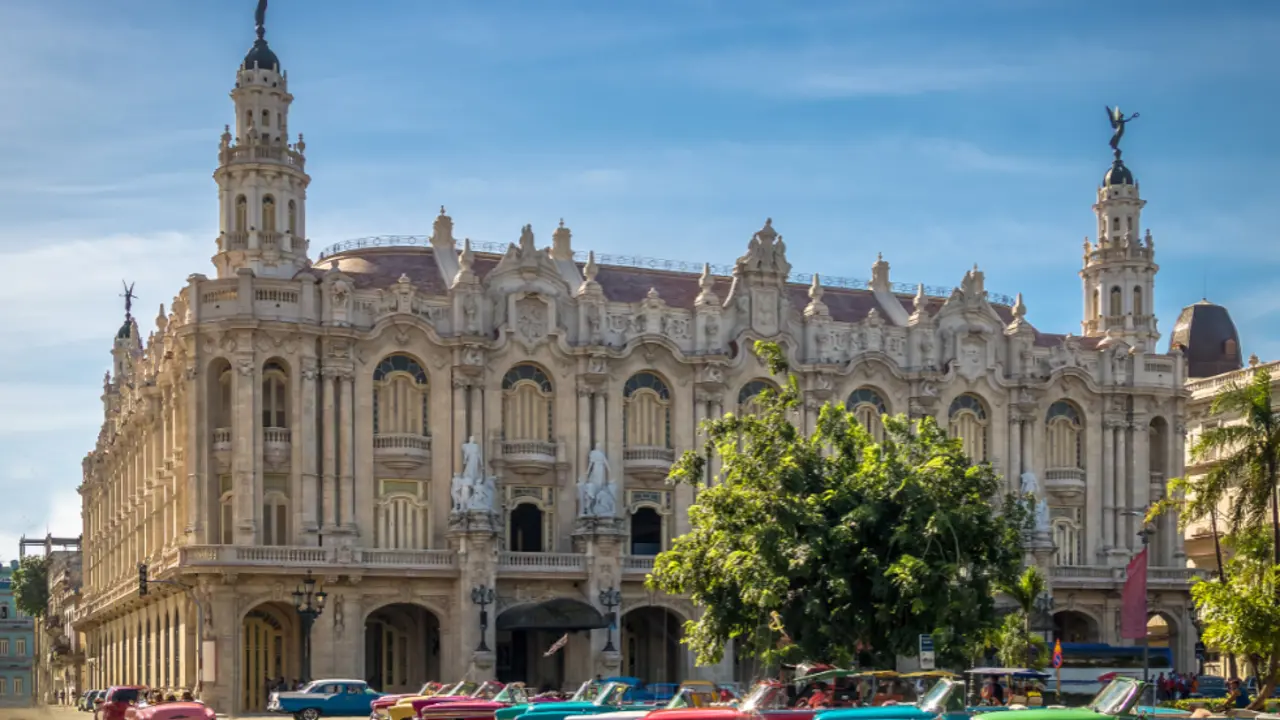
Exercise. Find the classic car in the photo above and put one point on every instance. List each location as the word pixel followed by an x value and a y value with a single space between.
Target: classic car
pixel 585 694
pixel 378 711
pixel 611 698
pixel 475 708
pixel 692 694
pixel 175 711
pixel 120 703
pixel 1118 699
pixel 325 697
pixel 412 707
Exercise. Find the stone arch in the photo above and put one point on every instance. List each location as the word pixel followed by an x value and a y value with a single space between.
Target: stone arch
pixel 402 645
pixel 268 648
pixel 526 630
pixel 220 382
pixel 1076 625
pixel 651 646
pixel 1164 631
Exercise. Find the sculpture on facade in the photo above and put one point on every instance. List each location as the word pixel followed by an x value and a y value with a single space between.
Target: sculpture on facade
pixel 1036 506
pixel 1042 517
pixel 1029 484
pixel 468 481
pixel 595 492
pixel 1118 121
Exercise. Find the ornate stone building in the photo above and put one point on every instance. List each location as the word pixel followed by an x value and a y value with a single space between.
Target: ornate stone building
pixel 287 416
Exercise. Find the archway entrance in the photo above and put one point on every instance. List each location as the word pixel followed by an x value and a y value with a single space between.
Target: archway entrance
pixel 401 648
pixel 269 652
pixel 526 633
pixel 651 647
pixel 1071 626
pixel 1162 638
pixel 525 532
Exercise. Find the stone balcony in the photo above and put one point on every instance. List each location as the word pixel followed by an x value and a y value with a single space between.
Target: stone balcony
pixel 528 456
pixel 220 443
pixel 541 565
pixel 1066 483
pixel 651 462
pixel 287 558
pixel 1113 576
pixel 402 451
pixel 277 446
pixel 637 566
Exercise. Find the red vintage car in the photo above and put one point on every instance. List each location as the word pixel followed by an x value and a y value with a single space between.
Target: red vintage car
pixel 774 700
pixel 432 689
pixel 477 708
pixel 465 690
pixel 120 702
pixel 175 711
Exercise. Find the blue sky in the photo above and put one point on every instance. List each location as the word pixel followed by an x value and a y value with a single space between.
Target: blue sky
pixel 941 134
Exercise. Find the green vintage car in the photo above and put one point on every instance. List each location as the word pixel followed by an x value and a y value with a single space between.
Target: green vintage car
pixel 586 693
pixel 1119 699
pixel 611 698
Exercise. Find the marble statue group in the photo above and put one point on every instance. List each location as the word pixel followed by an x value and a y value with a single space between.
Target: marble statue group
pixel 1036 505
pixel 473 489
pixel 595 492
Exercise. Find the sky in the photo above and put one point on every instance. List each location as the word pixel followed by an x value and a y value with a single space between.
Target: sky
pixel 940 134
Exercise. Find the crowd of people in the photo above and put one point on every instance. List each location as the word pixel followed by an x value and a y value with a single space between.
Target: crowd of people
pixel 1176 686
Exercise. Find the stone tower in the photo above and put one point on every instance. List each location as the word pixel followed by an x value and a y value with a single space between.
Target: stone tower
pixel 1119 270
pixel 262 183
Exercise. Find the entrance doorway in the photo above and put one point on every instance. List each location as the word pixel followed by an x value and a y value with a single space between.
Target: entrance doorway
pixel 401 648
pixel 651 645
pixel 526 633
pixel 269 649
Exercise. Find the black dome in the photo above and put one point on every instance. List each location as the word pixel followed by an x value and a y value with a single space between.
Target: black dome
pixel 1208 339
pixel 126 330
pixel 1118 174
pixel 260 55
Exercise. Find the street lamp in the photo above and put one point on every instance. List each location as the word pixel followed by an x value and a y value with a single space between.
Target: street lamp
pixel 483 595
pixel 309 603
pixel 1145 533
pixel 610 599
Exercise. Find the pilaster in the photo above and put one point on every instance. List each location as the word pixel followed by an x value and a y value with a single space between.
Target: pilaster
pixel 476 542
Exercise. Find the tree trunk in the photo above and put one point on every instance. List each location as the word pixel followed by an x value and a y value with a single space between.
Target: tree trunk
pixel 1266 685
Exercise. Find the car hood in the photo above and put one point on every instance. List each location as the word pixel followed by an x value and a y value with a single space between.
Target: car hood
pixel 711 713
pixel 1052 714
pixel 616 715
pixel 883 712
pixel 463 705
pixel 563 707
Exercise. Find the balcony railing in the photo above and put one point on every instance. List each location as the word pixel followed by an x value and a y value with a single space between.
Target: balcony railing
pixel 404 451
pixel 304 557
pixel 1065 482
pixel 535 455
pixel 642 460
pixel 1070 574
pixel 637 564
pixel 535 562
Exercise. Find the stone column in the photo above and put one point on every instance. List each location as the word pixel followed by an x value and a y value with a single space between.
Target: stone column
pixel 243 445
pixel 1140 479
pixel 1175 467
pixel 347 444
pixel 1125 524
pixel 1108 486
pixel 476 546
pixel 328 430
pixel 603 544
pixel 222 692
pixel 1015 447
pixel 306 444
pixel 195 456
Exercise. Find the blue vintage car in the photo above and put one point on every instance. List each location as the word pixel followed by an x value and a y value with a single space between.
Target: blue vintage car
pixel 325 697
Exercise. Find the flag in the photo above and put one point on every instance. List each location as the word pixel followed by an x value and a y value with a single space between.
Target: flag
pixel 1133 599
pixel 1057 653
pixel 555 647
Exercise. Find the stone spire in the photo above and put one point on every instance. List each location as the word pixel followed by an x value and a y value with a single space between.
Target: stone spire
pixel 466 274
pixel 706 288
pixel 590 286
pixel 816 308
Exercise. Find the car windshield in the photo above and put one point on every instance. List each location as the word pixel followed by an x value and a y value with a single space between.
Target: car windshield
pixel 587 692
pixel 488 691
pixel 934 701
pixel 612 694
pixel 513 694
pixel 689 697
pixel 765 696
pixel 1116 698
pixel 464 688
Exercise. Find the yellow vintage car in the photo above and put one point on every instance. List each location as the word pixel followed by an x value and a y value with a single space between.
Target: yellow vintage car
pixel 409 708
pixel 382 707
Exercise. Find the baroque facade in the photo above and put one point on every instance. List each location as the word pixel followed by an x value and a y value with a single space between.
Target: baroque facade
pixel 17 646
pixel 416 419
pixel 60 665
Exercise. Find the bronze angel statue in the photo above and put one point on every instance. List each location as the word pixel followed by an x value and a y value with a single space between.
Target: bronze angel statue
pixel 1118 121
pixel 260 17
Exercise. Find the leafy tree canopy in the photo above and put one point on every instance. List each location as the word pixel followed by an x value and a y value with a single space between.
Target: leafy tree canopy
pixel 832 547
pixel 31 585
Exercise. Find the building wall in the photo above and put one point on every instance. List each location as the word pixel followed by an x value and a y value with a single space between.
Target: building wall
pixel 17 646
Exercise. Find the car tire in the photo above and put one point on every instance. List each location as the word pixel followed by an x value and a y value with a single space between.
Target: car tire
pixel 310 714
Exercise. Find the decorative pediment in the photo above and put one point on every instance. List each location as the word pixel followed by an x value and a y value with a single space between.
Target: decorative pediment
pixel 766 257
pixel 527 261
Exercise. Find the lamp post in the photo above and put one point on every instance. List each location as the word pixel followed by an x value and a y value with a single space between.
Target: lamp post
pixel 1198 624
pixel 610 599
pixel 483 595
pixel 309 603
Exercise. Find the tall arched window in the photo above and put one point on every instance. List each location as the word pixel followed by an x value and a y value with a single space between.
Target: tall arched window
pixel 1137 301
pixel 266 118
pixel 646 418
pixel 400 519
pixel 1117 303
pixel 967 420
pixel 275 519
pixel 268 214
pixel 242 214
pixel 868 407
pixel 749 393
pixel 1068 548
pixel 400 397
pixel 1097 303
pixel 527 404
pixel 225 407
pixel 293 217
pixel 275 396
pixel 1066 437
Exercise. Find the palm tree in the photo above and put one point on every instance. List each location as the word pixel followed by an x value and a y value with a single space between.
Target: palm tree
pixel 1016 645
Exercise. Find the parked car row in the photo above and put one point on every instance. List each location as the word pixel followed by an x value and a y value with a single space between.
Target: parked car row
pixel 132 702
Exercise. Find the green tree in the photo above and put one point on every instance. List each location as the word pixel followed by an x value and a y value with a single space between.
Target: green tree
pixel 31 585
pixel 834 547
pixel 1016 645
pixel 1240 611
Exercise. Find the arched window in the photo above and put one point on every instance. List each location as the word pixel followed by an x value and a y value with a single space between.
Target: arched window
pixel 275 519
pixel 967 420
pixel 268 214
pixel 224 398
pixel 1137 301
pixel 248 120
pixel 1066 437
pixel 1230 348
pixel 400 522
pixel 750 392
pixel 1097 303
pixel 646 418
pixel 524 533
pixel 868 407
pixel 242 214
pixel 266 118
pixel 1117 303
pixel 275 396
pixel 646 531
pixel 292 217
pixel 527 404
pixel 400 397
pixel 1067 543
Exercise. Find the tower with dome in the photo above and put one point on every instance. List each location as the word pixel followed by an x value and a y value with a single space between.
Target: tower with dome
pixel 299 411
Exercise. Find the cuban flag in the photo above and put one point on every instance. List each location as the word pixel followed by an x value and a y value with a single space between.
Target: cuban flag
pixel 1057 653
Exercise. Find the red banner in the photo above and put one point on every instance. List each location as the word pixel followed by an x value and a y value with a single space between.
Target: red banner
pixel 1133 600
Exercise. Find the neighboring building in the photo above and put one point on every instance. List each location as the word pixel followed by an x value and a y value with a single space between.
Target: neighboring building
pixel 286 418
pixel 61 661
pixel 17 643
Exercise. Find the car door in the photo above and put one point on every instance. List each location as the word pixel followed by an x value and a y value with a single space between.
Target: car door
pixel 353 698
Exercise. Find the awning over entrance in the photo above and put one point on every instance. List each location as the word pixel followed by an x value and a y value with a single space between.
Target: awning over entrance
pixel 559 614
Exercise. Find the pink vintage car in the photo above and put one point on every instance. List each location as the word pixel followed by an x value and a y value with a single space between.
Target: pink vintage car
pixel 174 711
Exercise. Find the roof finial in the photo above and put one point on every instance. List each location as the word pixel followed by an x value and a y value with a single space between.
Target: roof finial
pixel 260 18
pixel 128 299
